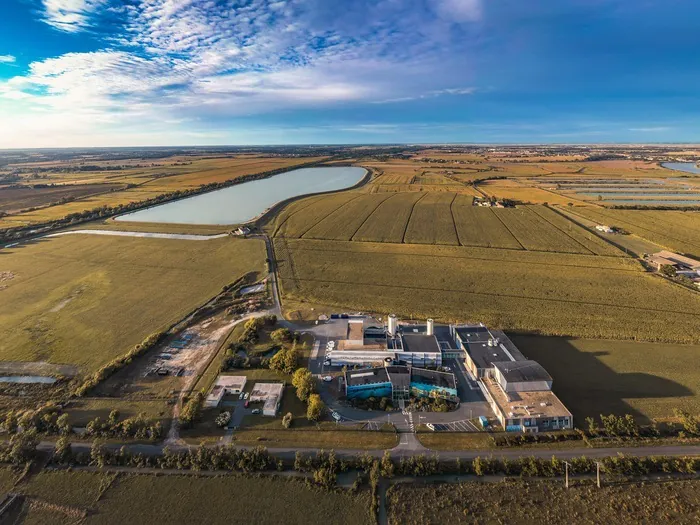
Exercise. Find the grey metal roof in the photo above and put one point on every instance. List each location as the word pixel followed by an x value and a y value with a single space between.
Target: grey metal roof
pixel 366 376
pixel 522 371
pixel 420 343
pixel 399 376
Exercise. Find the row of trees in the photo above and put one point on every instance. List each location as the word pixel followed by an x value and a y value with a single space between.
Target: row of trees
pixel 305 384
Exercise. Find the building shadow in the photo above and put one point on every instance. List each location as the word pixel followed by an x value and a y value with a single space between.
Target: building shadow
pixel 588 386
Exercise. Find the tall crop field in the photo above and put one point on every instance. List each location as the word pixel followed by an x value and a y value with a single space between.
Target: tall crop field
pixel 431 221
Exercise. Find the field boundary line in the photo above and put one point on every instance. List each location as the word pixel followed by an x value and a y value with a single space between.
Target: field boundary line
pixel 329 214
pixel 534 210
pixel 604 239
pixel 454 223
pixel 352 237
pixel 508 296
pixel 509 231
pixel 410 216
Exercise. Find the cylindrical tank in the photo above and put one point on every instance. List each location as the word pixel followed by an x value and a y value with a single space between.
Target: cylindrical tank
pixel 392 328
pixel 430 327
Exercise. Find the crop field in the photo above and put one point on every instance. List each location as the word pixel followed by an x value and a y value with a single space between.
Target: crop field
pixel 477 226
pixel 538 292
pixel 590 241
pixel 84 299
pixel 593 377
pixel 261 499
pixel 508 189
pixel 343 223
pixel 388 221
pixel 544 502
pixel 147 180
pixel 431 221
pixel 188 498
pixel 303 215
pixel 535 233
pixel 19 198
pixel 676 230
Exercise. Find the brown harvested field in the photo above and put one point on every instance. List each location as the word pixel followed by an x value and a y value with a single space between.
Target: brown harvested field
pixel 23 197
pixel 520 501
pixel 431 221
pixel 298 218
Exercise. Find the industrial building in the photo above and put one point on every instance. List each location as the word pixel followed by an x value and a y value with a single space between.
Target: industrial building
pixel 518 390
pixel 368 343
pixel 399 383
pixel 270 394
pixel 224 385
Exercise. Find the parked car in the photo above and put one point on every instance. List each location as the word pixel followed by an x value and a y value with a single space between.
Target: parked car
pixel 327 379
pixel 327 362
pixel 255 411
pixel 246 404
pixel 431 426
pixel 336 416
pixel 242 395
pixel 246 395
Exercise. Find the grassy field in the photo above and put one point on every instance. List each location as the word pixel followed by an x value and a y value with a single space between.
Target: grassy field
pixel 676 230
pixel 172 499
pixel 389 220
pixel 544 502
pixel 546 293
pixel 85 299
pixel 594 377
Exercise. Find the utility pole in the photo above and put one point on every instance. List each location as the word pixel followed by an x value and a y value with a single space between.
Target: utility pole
pixel 566 474
pixel 597 464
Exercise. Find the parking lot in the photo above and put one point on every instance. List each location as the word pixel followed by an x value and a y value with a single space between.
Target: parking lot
pixel 455 426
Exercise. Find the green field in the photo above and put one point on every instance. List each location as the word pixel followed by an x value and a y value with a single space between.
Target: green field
pixel 676 230
pixel 83 299
pixel 186 499
pixel 544 502
pixel 594 377
pixel 545 293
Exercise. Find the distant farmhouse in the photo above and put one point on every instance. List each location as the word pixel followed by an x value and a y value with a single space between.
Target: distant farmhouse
pixel 682 265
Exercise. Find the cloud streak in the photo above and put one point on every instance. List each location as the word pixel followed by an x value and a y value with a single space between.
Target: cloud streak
pixel 7 59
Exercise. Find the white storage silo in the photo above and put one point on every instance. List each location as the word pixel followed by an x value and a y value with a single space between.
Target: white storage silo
pixel 430 327
pixel 393 325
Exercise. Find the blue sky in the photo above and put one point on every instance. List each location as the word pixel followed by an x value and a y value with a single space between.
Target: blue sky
pixel 178 72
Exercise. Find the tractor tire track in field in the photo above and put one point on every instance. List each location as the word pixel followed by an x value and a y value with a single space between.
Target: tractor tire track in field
pixel 509 230
pixel 329 214
pixel 507 296
pixel 408 222
pixel 352 237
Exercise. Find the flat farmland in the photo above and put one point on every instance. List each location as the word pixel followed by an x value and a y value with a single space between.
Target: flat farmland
pixel 520 501
pixel 388 222
pixel 20 198
pixel 342 223
pixel 85 299
pixel 593 377
pixel 477 226
pixel 677 230
pixel 431 221
pixel 298 219
pixel 537 292
pixel 507 189
pixel 590 241
pixel 535 233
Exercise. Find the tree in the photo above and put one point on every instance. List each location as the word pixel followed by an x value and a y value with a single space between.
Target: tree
pixel 281 335
pixel 63 452
pixel 223 419
pixel 23 446
pixel 386 465
pixel 668 270
pixel 303 380
pixel 287 420
pixel 316 407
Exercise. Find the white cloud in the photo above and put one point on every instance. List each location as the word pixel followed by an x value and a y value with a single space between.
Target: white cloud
pixel 653 129
pixel 7 59
pixel 459 10
pixel 69 15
